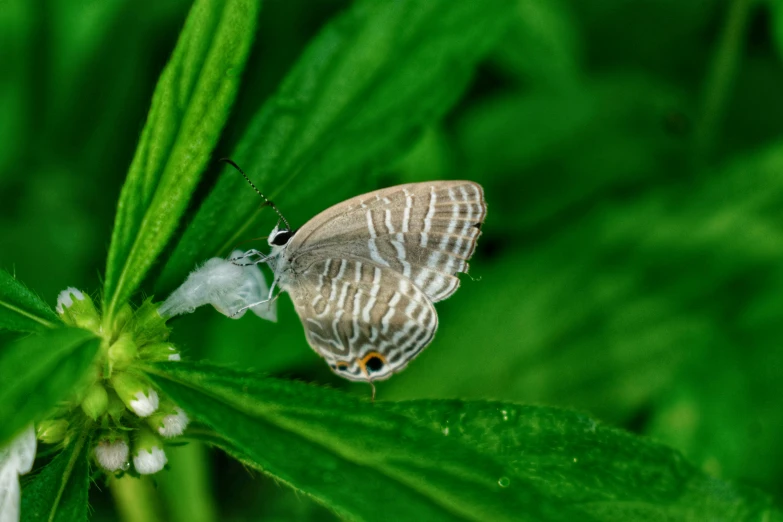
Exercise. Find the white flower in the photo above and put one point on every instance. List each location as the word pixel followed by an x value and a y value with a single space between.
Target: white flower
pixel 144 405
pixel 15 459
pixel 112 456
pixel 64 299
pixel 137 395
pixel 150 461
pixel 77 309
pixel 226 286
pixel 174 424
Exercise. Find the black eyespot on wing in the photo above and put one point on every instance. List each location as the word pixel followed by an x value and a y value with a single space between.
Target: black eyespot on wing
pixel 374 364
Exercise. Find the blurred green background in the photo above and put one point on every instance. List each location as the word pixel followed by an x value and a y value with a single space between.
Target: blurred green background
pixel 630 267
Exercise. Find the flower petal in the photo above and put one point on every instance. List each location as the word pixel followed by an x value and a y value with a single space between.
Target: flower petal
pixel 15 459
pixel 226 286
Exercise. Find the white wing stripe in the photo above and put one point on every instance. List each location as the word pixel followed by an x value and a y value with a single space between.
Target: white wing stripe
pixel 343 295
pixel 314 323
pixel 399 246
pixel 357 302
pixel 336 321
pixel 376 287
pixel 375 255
pixel 428 217
pixel 406 214
pixel 388 221
pixel 387 317
pixel 370 226
pixel 341 271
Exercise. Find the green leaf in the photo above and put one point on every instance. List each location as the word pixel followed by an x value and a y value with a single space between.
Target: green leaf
pixel 777 24
pixel 553 464
pixel 38 372
pixel 611 474
pixel 722 411
pixel 189 108
pixel 350 455
pixel 542 45
pixel 59 491
pixel 21 310
pixel 284 504
pixel 561 148
pixel 354 101
pixel 645 46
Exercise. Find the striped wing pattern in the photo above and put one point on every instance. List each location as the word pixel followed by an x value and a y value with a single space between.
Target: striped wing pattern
pixel 425 231
pixel 365 272
pixel 366 320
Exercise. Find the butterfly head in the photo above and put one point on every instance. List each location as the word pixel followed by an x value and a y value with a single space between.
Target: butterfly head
pixel 279 237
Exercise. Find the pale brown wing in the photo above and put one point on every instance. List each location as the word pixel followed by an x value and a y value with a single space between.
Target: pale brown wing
pixel 367 321
pixel 425 231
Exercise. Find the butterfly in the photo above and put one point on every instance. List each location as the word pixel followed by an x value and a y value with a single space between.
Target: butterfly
pixel 363 274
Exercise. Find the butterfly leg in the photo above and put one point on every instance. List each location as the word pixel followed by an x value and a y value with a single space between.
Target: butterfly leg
pixel 250 253
pixel 267 300
pixel 251 305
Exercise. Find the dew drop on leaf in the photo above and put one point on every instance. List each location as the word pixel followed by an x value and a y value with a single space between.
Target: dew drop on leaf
pixel 504 482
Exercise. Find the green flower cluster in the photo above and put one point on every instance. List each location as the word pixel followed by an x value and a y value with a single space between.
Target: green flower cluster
pixel 126 410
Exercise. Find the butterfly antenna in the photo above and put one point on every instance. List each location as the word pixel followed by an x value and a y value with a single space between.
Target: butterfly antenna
pixel 231 162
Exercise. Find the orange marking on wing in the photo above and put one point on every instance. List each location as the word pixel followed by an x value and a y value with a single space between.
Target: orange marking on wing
pixel 370 355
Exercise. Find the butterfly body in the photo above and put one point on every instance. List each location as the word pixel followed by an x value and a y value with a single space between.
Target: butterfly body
pixel 364 274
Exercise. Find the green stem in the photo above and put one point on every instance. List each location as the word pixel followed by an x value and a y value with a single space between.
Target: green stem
pixel 135 499
pixel 186 486
pixel 77 451
pixel 25 314
pixel 720 78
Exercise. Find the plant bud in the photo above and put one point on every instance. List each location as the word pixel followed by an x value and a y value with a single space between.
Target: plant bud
pixel 169 422
pixel 123 352
pixel 112 453
pixel 77 309
pixel 148 454
pixel 138 396
pixel 52 431
pixel 116 406
pixel 95 401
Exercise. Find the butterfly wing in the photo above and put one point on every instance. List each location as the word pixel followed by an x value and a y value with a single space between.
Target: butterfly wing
pixel 367 321
pixel 425 231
